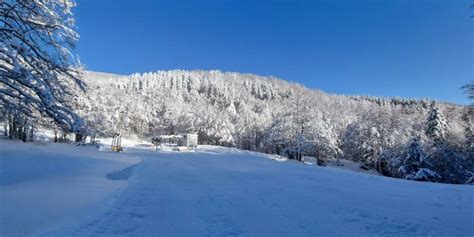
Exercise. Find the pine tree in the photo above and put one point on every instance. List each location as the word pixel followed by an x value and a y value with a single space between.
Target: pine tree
pixel 436 126
pixel 415 165
pixel 413 160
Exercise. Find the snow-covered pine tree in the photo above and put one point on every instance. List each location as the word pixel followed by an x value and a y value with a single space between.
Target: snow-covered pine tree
pixel 36 63
pixel 435 127
pixel 415 165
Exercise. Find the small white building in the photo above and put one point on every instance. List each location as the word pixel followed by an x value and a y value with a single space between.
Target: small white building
pixel 189 140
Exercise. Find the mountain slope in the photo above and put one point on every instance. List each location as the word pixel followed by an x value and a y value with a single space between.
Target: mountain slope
pixel 271 115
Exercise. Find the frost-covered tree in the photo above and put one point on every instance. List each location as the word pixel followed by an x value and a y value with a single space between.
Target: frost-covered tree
pixel 37 68
pixel 415 165
pixel 374 132
pixel 325 149
pixel 468 120
pixel 468 117
pixel 435 127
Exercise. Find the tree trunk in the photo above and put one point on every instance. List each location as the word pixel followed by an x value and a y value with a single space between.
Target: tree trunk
pixel 31 134
pixel 5 128
pixel 22 131
pixel 78 137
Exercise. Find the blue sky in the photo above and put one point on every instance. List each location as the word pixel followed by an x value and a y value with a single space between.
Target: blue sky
pixel 401 48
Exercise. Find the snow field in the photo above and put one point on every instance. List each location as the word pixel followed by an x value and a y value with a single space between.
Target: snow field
pixel 214 191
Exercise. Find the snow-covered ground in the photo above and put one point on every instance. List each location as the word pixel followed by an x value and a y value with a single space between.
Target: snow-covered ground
pixel 63 190
pixel 46 186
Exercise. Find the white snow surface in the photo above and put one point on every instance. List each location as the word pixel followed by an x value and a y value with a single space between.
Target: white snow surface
pixel 63 190
pixel 44 186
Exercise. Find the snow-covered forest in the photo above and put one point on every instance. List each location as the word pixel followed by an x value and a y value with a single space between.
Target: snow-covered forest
pixel 406 138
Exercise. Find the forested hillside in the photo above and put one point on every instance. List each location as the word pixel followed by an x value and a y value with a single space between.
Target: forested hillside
pixel 270 115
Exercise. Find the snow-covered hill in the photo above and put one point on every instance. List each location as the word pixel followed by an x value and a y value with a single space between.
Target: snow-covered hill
pixel 62 190
pixel 270 115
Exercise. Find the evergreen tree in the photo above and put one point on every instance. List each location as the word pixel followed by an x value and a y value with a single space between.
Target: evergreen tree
pixel 436 126
pixel 415 165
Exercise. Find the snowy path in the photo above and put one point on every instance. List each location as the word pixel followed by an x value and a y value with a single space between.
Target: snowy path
pixel 221 192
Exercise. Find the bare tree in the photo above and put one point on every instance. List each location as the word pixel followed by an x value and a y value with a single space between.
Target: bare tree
pixel 38 71
pixel 469 89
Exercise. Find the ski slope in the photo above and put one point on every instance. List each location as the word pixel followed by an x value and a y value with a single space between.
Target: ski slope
pixel 62 190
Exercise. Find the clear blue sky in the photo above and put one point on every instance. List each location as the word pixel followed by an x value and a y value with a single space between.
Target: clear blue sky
pixel 390 48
